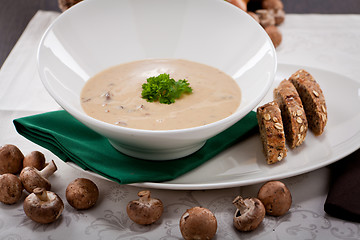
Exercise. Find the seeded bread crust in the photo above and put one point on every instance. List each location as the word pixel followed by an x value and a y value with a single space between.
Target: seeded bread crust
pixel 292 113
pixel 271 132
pixel 313 100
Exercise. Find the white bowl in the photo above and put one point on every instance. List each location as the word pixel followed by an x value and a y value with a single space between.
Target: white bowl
pixel 96 34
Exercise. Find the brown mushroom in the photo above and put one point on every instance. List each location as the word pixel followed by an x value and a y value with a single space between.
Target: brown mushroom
pixel 82 193
pixel 34 159
pixel 43 206
pixel 32 178
pixel 266 17
pixel 66 4
pixel 11 159
pixel 254 16
pixel 279 15
pixel 272 4
pixel 10 188
pixel 276 198
pixel 249 214
pixel 146 210
pixel 274 34
pixel 198 223
pixel 242 4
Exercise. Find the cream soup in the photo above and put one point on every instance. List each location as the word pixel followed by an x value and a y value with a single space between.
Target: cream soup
pixel 114 95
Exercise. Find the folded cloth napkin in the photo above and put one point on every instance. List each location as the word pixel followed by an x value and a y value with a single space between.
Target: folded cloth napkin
pixel 343 200
pixel 72 141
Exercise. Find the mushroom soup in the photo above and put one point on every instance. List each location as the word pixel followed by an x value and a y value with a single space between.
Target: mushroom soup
pixel 114 95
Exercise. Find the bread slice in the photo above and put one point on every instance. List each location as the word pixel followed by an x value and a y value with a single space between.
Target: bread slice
pixel 313 100
pixel 292 113
pixel 271 132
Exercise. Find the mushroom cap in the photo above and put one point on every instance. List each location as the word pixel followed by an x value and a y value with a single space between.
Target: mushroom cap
pixel 10 188
pixel 249 215
pixel 279 15
pixel 272 4
pixel 34 159
pixel 276 198
pixel 31 178
pixel 274 35
pixel 11 159
pixel 82 193
pixel 242 4
pixel 266 17
pixel 66 4
pixel 198 223
pixel 254 16
pixel 43 210
pixel 146 210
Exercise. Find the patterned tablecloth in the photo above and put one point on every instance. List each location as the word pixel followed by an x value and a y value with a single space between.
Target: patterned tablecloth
pixel 330 42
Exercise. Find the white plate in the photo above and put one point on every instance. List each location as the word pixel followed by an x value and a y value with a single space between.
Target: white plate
pixel 244 163
pixel 79 45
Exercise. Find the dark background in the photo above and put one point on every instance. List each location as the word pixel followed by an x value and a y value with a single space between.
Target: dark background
pixel 15 15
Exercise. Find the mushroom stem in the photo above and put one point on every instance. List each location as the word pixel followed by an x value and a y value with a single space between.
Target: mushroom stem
pixel 41 193
pixel 240 204
pixel 43 206
pixel 144 196
pixel 48 170
pixel 249 214
pixel 145 210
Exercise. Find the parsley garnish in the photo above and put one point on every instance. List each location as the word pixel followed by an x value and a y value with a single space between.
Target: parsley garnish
pixel 164 89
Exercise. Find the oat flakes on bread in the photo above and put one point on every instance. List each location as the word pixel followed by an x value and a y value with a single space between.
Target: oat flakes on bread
pixel 313 100
pixel 271 132
pixel 292 113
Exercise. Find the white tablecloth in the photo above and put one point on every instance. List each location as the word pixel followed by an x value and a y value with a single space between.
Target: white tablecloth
pixel 330 42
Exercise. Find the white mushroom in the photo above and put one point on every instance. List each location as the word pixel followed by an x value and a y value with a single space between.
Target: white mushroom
pixel 32 178
pixel 249 214
pixel 146 210
pixel 43 206
pixel 82 193
pixel 10 188
pixel 198 223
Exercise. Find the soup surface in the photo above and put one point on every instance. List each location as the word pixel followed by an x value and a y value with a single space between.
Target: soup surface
pixel 114 95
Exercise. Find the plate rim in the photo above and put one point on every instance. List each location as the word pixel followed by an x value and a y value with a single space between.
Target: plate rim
pixel 237 183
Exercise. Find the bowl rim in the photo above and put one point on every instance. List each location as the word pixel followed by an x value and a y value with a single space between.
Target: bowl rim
pixel 84 118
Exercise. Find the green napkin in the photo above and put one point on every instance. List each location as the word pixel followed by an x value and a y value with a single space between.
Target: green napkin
pixel 72 141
